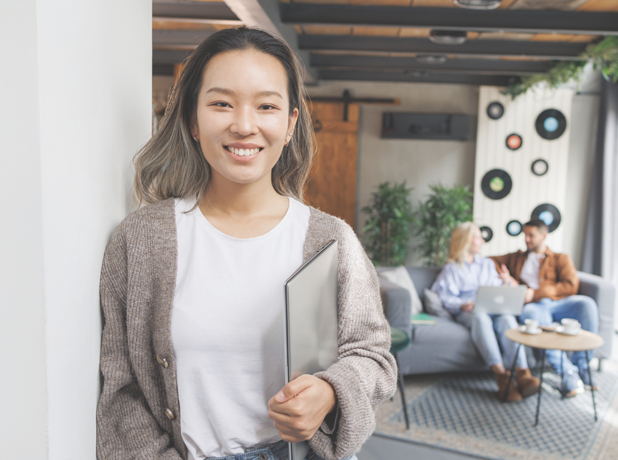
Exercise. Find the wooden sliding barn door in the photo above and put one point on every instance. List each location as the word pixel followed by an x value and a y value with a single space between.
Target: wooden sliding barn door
pixel 332 180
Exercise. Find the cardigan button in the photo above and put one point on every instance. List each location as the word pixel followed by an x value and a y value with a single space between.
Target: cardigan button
pixel 169 414
pixel 162 361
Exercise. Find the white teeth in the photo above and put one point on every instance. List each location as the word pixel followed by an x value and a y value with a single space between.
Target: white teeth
pixel 243 152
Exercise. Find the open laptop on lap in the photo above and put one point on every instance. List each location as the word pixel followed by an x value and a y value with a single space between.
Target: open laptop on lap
pixel 501 300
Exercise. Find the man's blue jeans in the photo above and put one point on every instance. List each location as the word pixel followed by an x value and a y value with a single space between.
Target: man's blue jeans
pixel 486 331
pixel 580 307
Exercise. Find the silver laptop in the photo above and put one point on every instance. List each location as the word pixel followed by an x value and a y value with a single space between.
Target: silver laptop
pixel 311 342
pixel 501 300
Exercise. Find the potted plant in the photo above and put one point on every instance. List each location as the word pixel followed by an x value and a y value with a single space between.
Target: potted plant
pixel 437 217
pixel 389 224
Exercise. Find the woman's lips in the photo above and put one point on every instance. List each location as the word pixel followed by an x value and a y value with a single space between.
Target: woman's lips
pixel 243 154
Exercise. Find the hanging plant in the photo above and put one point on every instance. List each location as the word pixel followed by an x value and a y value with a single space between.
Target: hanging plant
pixel 603 55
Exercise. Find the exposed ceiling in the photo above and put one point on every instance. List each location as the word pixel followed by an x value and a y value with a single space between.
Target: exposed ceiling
pixel 389 40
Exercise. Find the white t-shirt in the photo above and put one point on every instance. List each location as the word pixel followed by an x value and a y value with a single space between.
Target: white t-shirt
pixel 530 270
pixel 227 328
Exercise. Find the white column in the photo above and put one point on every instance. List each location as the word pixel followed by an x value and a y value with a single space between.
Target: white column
pixel 79 107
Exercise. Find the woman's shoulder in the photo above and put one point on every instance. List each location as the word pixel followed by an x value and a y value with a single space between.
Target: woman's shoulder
pixel 157 216
pixel 322 224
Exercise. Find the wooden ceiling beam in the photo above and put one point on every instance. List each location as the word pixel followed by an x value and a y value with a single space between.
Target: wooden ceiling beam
pixel 494 48
pixel 470 66
pixel 417 77
pixel 520 21
pixel 213 11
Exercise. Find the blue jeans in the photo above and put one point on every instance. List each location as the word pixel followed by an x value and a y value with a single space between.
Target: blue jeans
pixel 486 331
pixel 579 307
pixel 274 451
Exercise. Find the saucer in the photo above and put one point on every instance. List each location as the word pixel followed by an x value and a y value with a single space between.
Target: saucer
pixel 562 330
pixel 532 332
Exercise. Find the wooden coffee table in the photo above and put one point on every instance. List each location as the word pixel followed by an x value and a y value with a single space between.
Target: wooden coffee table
pixel 584 341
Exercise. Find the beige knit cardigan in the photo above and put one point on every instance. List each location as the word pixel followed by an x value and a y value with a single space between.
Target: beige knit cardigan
pixel 138 416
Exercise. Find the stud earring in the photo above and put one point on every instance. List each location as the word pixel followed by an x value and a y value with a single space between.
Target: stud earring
pixel 195 139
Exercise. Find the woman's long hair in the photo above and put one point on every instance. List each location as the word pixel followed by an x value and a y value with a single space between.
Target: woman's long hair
pixel 172 164
pixel 461 238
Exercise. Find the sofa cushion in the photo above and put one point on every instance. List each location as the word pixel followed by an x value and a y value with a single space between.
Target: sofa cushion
pixel 433 305
pixel 401 277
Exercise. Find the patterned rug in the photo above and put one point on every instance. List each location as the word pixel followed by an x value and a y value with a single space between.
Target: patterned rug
pixel 460 412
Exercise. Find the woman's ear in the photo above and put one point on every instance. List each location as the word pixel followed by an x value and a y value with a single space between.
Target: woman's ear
pixel 195 129
pixel 292 121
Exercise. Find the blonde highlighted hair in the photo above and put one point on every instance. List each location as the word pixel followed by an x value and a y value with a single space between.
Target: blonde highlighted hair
pixel 461 239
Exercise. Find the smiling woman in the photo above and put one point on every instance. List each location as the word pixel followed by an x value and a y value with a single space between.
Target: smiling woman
pixel 192 352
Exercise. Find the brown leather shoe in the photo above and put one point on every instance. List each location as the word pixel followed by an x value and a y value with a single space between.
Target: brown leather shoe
pixel 503 380
pixel 527 384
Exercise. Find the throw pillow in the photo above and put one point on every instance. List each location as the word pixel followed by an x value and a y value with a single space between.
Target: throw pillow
pixel 401 278
pixel 433 304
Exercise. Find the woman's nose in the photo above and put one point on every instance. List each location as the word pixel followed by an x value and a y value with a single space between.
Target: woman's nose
pixel 245 122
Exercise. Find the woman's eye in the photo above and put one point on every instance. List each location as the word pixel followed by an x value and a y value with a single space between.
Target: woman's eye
pixel 267 107
pixel 221 104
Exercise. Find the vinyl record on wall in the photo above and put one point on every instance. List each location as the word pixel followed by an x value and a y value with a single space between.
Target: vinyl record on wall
pixel 514 228
pixel 539 167
pixel 487 234
pixel 496 184
pixel 550 124
pixel 514 141
pixel 495 110
pixel 549 214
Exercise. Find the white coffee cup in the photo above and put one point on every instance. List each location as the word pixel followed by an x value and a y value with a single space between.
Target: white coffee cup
pixel 532 325
pixel 571 325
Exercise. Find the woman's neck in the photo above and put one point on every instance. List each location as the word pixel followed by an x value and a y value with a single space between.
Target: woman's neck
pixel 226 198
pixel 469 257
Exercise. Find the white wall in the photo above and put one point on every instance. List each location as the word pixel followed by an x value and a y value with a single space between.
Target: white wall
pixel 420 162
pixel 94 112
pixel 23 395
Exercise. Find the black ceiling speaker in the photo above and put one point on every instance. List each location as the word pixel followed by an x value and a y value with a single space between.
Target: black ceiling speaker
pixel 550 124
pixel 447 127
pixel 478 4
pixel 448 37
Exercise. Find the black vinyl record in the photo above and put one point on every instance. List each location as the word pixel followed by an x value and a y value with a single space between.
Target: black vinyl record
pixel 514 141
pixel 514 228
pixel 496 184
pixel 539 167
pixel 487 234
pixel 495 110
pixel 550 124
pixel 549 214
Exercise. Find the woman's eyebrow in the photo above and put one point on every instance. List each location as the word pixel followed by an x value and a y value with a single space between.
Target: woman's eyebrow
pixel 232 93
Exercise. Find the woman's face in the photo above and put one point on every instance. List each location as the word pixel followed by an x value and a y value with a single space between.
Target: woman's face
pixel 477 242
pixel 242 120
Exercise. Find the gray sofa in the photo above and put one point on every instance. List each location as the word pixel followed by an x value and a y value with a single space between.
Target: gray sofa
pixel 446 346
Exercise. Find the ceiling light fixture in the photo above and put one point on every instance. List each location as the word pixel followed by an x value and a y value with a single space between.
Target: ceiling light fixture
pixel 478 4
pixel 448 37
pixel 432 59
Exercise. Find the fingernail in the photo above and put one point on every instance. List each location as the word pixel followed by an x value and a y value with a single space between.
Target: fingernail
pixel 280 397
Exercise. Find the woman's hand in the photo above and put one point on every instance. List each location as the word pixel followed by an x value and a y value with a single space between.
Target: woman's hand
pixel 300 407
pixel 529 295
pixel 468 306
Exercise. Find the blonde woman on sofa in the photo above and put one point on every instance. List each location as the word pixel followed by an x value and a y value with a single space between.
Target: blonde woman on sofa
pixel 457 285
pixel 192 354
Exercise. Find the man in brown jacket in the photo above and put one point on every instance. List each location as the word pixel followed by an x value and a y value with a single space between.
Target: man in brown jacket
pixel 551 296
